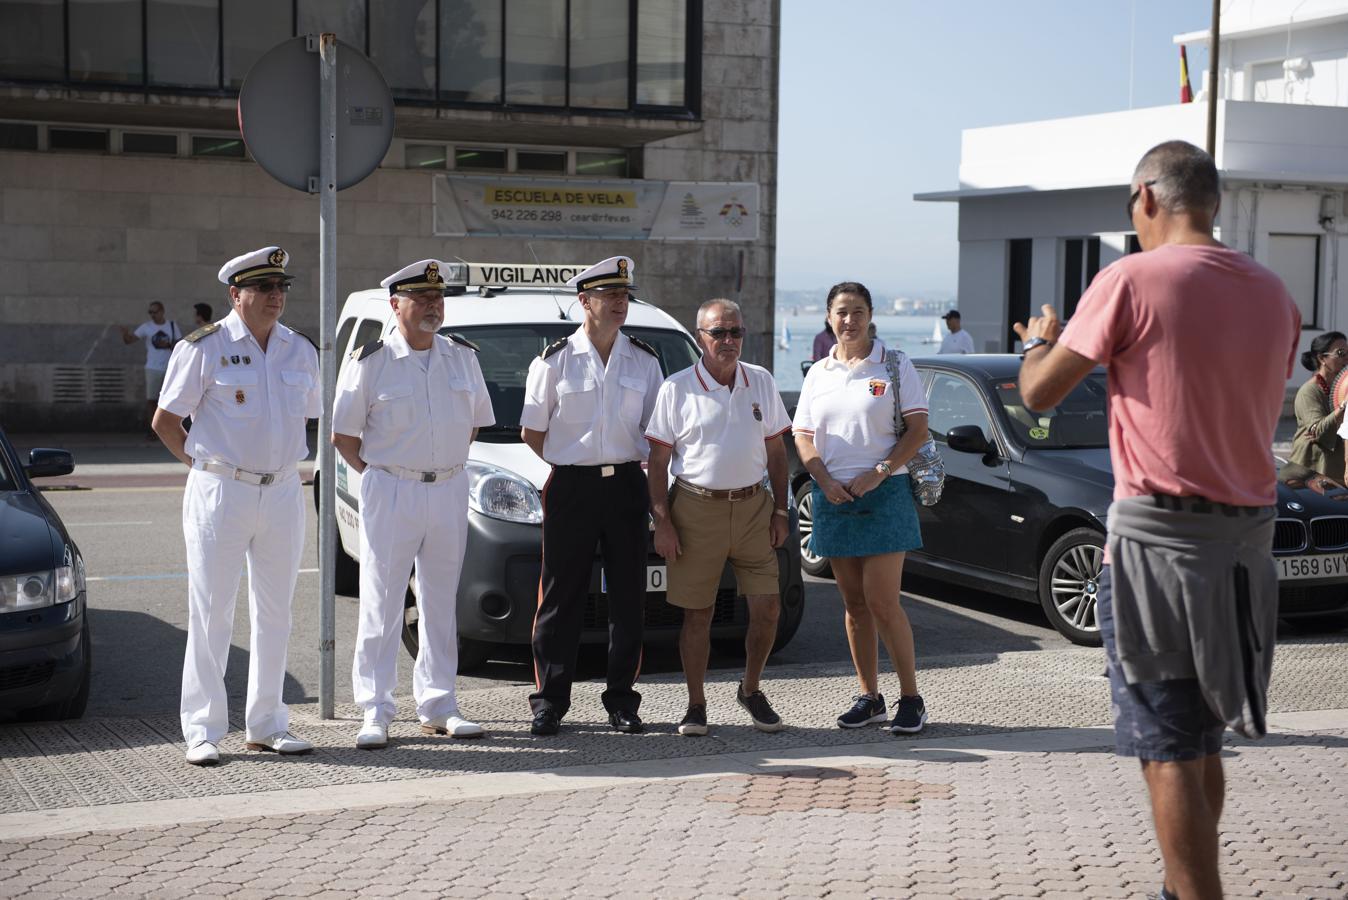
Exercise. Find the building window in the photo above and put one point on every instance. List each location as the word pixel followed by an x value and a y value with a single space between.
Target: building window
pixel 1020 255
pixel 601 164
pixel 535 48
pixel 480 159
pixel 1081 261
pixel 599 54
pixel 32 45
pixel 90 140
pixel 218 147
pixel 344 18
pixel 402 45
pixel 662 54
pixel 542 162
pixel 158 143
pixel 18 136
pixel 183 42
pixel 252 27
pixel 1296 260
pixel 105 41
pixel 470 51
pixel 425 156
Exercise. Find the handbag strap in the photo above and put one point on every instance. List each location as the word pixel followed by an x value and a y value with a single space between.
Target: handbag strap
pixel 892 367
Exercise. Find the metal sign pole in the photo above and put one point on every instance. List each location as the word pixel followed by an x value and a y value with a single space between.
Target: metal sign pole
pixel 327 311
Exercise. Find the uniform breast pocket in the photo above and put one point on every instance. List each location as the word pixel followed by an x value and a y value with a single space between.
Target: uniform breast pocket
pixel 236 393
pixel 297 385
pixel 456 401
pixel 633 398
pixel 393 406
pixel 577 401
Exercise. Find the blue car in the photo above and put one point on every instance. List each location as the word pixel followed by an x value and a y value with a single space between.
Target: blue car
pixel 44 627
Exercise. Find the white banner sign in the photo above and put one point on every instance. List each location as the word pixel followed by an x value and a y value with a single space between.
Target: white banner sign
pixel 487 206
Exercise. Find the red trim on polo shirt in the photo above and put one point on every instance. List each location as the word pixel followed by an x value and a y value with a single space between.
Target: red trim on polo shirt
pixel 809 431
pixel 780 433
pixel 697 366
pixel 656 440
pixel 744 374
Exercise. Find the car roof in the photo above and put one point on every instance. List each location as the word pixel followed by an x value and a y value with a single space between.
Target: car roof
pixel 985 365
pixel 509 306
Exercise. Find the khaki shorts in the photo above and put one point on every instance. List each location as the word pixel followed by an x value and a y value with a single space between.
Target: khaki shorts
pixel 712 531
pixel 154 383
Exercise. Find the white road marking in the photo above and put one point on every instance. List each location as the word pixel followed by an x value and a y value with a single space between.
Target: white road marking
pixel 91 524
pixel 164 577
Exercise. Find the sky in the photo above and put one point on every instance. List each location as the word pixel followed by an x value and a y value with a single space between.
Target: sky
pixel 874 96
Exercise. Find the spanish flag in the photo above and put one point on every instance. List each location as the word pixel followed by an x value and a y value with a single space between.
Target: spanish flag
pixel 1186 92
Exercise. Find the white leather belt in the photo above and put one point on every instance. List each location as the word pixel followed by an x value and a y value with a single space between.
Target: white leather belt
pixel 427 477
pixel 244 475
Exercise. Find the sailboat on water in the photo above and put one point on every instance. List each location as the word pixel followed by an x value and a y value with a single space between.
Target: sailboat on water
pixel 936 336
pixel 784 342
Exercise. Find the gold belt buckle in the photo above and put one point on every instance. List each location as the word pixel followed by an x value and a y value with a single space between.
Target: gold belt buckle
pixel 605 471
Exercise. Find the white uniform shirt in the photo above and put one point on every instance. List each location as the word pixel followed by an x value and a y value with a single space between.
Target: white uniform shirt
pixel 593 415
pixel 248 408
pixel 957 342
pixel 718 434
pixel 408 416
pixel 850 412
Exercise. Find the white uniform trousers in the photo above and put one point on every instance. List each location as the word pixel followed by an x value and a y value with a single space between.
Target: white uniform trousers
pixel 404 522
pixel 225 523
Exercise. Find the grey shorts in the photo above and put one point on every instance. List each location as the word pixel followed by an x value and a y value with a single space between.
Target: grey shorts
pixel 1163 721
pixel 154 383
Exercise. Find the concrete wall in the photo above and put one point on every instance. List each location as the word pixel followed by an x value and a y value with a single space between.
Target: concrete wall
pixel 86 241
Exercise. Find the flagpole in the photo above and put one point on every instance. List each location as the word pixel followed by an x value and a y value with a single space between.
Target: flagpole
pixel 1214 41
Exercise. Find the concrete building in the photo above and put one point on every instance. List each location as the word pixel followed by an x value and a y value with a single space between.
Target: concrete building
pixel 1041 204
pixel 124 179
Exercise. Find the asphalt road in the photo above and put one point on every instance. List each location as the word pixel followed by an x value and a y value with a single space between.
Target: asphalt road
pixel 131 538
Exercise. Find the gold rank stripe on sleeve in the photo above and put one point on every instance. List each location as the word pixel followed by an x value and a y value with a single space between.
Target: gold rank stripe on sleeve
pixel 202 332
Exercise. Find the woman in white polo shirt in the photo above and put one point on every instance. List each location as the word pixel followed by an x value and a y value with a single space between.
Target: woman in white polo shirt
pixel 864 518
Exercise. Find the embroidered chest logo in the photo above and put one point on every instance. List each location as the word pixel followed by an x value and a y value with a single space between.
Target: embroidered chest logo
pixel 758 413
pixel 239 397
pixel 877 387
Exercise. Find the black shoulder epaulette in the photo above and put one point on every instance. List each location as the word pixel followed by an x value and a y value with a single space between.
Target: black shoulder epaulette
pixel 365 350
pixel 307 338
pixel 202 332
pixel 460 339
pixel 637 342
pixel 553 348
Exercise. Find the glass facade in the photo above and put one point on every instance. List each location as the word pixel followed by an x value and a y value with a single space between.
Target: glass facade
pixel 603 55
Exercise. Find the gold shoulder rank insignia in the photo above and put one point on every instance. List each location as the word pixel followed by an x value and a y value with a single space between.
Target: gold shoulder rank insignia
pixel 554 347
pixel 202 332
pixel 365 350
pixel 460 339
pixel 637 342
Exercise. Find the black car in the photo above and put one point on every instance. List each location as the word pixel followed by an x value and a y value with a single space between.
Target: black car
pixel 44 629
pixel 1026 495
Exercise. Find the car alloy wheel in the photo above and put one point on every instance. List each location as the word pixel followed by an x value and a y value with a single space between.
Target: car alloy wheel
pixel 813 565
pixel 1069 584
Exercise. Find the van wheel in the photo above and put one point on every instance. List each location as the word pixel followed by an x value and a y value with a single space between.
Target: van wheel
pixel 472 654
pixel 1069 582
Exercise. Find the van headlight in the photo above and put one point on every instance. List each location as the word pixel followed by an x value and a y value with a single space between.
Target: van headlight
pixel 502 494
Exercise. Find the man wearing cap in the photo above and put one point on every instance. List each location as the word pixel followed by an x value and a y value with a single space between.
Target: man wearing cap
pixel 587 401
pixel 717 427
pixel 407 409
pixel 249 383
pixel 958 340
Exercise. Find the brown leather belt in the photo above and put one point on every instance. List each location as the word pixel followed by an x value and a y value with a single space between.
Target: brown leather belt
pixel 743 493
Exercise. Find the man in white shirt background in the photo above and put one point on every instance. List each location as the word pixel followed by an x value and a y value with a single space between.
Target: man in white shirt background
pixel 159 336
pixel 958 340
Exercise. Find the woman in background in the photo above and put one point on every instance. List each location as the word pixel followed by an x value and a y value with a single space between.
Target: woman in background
pixel 1316 443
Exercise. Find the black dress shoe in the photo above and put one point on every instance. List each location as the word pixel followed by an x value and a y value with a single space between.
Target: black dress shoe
pixel 546 723
pixel 626 722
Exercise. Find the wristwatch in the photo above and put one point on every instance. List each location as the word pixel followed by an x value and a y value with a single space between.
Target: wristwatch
pixel 1034 342
pixel 884 468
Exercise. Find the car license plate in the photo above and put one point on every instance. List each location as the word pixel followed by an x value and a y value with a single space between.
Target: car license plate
pixel 655 580
pixel 1328 565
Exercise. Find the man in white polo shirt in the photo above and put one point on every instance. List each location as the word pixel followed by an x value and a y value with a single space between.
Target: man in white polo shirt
pixel 716 427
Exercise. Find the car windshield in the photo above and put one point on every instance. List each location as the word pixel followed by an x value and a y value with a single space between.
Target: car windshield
pixel 507 349
pixel 1081 421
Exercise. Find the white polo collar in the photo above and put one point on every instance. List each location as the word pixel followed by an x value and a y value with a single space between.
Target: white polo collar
pixel 877 354
pixel 709 384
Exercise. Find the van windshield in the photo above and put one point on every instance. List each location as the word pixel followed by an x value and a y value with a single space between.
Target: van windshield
pixel 506 350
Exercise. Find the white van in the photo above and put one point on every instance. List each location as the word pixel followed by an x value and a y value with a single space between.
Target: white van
pixel 512 312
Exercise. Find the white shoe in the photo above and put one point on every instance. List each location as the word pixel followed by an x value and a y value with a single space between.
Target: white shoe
pixel 454 726
pixel 203 753
pixel 372 736
pixel 282 742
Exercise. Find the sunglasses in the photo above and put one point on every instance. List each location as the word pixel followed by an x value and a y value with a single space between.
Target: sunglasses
pixel 1338 354
pixel 718 333
pixel 1132 198
pixel 266 287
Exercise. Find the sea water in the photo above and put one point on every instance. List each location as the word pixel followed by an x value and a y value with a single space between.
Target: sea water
pixel 911 334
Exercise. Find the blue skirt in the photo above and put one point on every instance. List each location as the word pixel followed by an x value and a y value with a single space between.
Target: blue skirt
pixel 883 521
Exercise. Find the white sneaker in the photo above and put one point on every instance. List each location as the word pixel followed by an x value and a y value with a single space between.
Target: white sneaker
pixel 282 742
pixel 203 753
pixel 372 736
pixel 454 726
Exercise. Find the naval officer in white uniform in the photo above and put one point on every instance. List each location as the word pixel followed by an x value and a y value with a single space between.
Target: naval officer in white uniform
pixel 249 383
pixel 407 409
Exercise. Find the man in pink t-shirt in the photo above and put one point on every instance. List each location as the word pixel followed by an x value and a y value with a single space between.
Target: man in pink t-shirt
pixel 1199 341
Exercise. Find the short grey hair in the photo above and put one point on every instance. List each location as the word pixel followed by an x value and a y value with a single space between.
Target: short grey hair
pixel 1183 177
pixel 729 306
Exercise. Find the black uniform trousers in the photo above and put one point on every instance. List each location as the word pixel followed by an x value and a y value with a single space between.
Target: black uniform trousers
pixel 583 509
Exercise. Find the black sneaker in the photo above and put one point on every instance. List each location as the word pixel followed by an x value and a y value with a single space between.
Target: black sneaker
pixel 546 723
pixel 694 722
pixel 910 715
pixel 865 710
pixel 759 709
